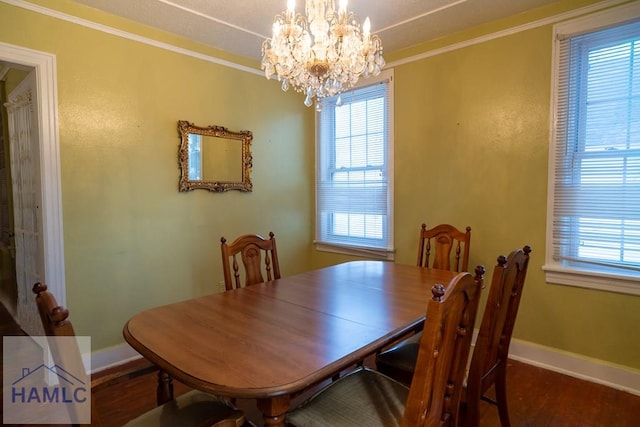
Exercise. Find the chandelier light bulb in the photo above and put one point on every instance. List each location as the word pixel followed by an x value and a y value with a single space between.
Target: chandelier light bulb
pixel 322 53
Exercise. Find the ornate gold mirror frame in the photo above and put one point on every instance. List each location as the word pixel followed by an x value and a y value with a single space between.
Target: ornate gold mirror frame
pixel 214 158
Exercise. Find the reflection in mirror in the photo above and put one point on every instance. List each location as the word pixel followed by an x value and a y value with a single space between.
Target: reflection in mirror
pixel 214 158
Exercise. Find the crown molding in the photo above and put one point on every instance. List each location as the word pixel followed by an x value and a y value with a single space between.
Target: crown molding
pixel 127 35
pixel 509 31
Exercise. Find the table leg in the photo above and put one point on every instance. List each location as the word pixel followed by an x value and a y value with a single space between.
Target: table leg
pixel 273 410
pixel 164 392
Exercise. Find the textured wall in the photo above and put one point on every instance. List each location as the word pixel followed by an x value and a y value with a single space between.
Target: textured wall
pixel 132 240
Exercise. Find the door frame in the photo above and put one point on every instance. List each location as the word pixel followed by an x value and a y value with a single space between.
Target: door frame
pixel 49 149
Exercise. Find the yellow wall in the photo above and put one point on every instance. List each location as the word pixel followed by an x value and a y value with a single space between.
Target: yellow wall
pixel 471 148
pixel 484 135
pixel 132 240
pixel 477 117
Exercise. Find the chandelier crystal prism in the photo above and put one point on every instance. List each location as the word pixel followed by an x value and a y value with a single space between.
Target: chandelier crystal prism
pixel 323 53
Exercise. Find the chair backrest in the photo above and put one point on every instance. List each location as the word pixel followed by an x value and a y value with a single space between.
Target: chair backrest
pixel 444 247
pixel 251 248
pixel 494 337
pixel 66 355
pixel 436 388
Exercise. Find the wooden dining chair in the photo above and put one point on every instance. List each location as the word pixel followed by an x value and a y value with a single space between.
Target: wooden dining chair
pixel 193 408
pixel 257 255
pixel 489 361
pixel 444 247
pixel 368 398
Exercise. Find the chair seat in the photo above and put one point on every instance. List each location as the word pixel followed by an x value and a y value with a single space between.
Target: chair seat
pixel 193 408
pixel 362 398
pixel 399 361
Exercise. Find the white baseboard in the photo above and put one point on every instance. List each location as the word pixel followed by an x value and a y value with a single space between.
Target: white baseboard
pixel 598 371
pixel 112 356
pixel 593 370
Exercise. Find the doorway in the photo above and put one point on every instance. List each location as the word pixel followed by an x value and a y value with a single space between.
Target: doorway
pixel 49 209
pixel 8 284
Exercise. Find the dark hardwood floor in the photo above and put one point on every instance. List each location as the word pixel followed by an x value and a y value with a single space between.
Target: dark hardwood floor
pixel 537 398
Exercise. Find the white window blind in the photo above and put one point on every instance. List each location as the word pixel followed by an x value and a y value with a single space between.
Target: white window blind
pixel 353 186
pixel 595 216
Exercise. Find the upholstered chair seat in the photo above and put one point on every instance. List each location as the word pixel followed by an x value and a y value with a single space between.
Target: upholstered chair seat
pixel 361 398
pixel 399 361
pixel 193 408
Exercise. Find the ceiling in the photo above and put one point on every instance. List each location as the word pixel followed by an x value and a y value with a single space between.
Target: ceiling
pixel 241 26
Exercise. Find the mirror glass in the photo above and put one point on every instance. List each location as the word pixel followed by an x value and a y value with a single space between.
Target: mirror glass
pixel 214 158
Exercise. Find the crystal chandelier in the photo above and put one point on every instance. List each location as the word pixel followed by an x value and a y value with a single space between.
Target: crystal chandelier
pixel 323 53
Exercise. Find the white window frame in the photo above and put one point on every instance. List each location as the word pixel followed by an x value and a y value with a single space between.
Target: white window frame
pixel 359 250
pixel 555 271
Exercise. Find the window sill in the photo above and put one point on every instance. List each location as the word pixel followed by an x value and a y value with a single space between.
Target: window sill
pixel 373 253
pixel 592 280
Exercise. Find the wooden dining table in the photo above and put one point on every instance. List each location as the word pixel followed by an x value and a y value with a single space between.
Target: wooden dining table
pixel 273 340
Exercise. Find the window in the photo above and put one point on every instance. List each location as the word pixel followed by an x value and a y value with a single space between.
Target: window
pixel 354 176
pixel 594 188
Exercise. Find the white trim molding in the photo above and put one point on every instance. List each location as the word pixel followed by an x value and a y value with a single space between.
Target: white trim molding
pixel 127 35
pixel 509 31
pixel 593 370
pixel 558 275
pixel 111 357
pixel 514 30
pixel 47 95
